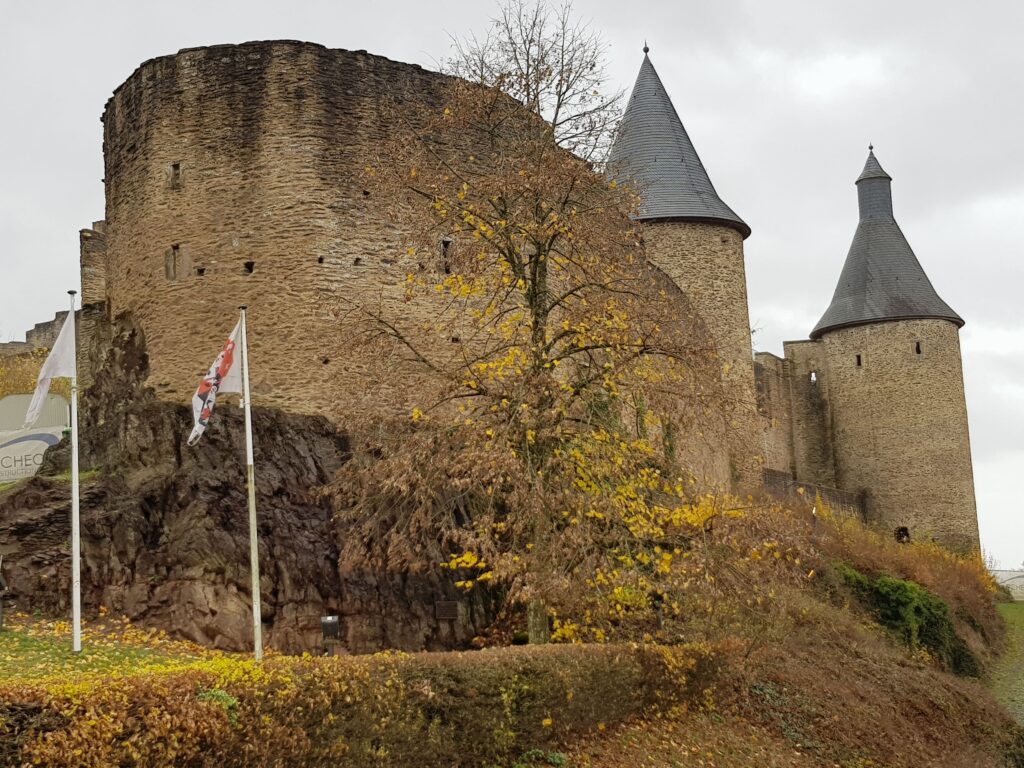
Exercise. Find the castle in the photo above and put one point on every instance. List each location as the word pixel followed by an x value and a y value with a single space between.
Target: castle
pixel 233 175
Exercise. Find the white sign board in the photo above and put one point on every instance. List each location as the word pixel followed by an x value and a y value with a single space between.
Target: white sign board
pixel 21 450
pixel 1013 581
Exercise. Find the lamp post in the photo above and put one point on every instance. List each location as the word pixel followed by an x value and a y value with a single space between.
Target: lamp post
pixel 331 627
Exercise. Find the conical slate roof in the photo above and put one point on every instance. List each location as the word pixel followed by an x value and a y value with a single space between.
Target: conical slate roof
pixel 872 168
pixel 653 152
pixel 882 278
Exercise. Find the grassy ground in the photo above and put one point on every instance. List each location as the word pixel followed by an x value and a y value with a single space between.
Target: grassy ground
pixel 34 649
pixel 1008 676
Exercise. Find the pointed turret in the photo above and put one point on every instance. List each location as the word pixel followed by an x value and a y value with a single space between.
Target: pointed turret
pixel 653 152
pixel 882 279
pixel 697 240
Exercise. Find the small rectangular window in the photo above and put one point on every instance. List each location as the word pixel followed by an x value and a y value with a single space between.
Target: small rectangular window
pixel 859 362
pixel 249 267
pixel 172 262
pixel 175 176
pixel 917 347
pixel 446 247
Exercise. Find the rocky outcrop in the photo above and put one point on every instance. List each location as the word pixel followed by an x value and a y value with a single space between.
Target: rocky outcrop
pixel 165 526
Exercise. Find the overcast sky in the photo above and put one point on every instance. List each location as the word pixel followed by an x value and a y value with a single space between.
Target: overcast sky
pixel 780 99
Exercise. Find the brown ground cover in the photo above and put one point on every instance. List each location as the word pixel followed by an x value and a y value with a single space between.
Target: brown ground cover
pixel 836 692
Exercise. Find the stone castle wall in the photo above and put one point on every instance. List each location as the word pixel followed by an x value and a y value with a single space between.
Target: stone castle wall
pixel 234 175
pixel 899 426
pixel 808 375
pixel 93 263
pixel 93 307
pixel 706 262
pixel 40 336
pixel 774 407
pixel 889 428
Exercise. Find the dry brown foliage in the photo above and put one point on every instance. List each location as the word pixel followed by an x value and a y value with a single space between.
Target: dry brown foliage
pixel 568 387
pixel 388 710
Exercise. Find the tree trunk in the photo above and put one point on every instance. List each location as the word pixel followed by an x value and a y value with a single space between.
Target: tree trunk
pixel 537 622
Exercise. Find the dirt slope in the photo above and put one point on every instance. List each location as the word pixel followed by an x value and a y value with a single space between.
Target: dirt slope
pixel 842 694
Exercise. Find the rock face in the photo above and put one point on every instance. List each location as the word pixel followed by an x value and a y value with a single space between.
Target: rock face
pixel 165 526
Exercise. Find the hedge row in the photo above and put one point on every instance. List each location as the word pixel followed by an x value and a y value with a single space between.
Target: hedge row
pixel 437 709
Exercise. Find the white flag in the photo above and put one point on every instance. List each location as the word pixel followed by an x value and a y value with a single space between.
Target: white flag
pixel 60 363
pixel 223 376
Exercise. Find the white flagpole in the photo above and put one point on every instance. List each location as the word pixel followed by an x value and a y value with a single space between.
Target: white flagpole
pixel 254 549
pixel 76 542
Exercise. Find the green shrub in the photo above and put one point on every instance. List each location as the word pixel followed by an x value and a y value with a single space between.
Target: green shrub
pixel 536 758
pixel 223 699
pixel 919 617
pixel 854 579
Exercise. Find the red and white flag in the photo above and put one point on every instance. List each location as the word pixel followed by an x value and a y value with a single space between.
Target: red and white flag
pixel 223 376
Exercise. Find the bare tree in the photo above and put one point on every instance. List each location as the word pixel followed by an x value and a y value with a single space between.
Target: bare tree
pixel 553 64
pixel 561 372
pixel 562 381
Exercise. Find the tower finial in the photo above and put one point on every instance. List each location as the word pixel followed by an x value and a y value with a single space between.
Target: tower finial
pixel 871 147
pixel 646 49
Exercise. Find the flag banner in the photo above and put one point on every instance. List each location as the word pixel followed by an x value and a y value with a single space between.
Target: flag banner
pixel 223 376
pixel 60 363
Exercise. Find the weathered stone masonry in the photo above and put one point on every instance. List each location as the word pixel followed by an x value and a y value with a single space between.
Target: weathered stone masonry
pixel 697 240
pixel 874 403
pixel 234 174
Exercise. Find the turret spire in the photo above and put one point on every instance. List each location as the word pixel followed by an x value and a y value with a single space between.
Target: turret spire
pixel 654 152
pixel 882 278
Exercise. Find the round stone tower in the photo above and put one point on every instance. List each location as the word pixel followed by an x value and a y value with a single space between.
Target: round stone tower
pixel 894 383
pixel 697 240
pixel 234 175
